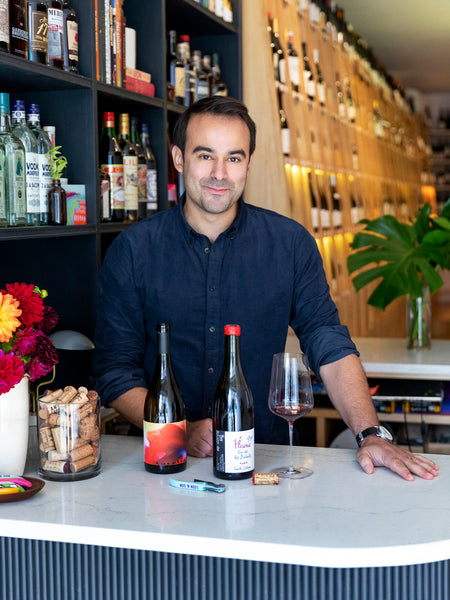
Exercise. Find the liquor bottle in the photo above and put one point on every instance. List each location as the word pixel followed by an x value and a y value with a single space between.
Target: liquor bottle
pixel 164 414
pixel 142 170
pixel 354 210
pixel 201 78
pixel 336 201
pixel 70 38
pixel 308 77
pixel 130 168
pixel 111 162
pixel 4 27
pixel 172 60
pixel 57 204
pixel 55 17
pixel 28 139
pixel 325 217
pixel 179 76
pixel 37 31
pixel 18 28
pixel 314 204
pixel 293 64
pixel 184 49
pixel 152 173
pixel 207 69
pixel 44 146
pixel 220 88
pixel 320 81
pixel 285 131
pixel 104 188
pixel 233 430
pixel 378 121
pixel 4 206
pixel 13 151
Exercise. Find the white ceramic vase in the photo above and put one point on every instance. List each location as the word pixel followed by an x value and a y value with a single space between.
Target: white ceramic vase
pixel 14 426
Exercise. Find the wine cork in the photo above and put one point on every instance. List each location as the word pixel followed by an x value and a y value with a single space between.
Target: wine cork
pixel 82 464
pixel 266 479
pixel 80 452
pixel 54 455
pixel 47 442
pixel 67 395
pixel 56 466
pixel 51 396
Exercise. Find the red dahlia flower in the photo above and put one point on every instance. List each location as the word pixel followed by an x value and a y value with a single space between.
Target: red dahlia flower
pixel 30 302
pixel 11 371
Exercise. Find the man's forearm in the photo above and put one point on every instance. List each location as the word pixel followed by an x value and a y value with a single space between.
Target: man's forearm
pixel 348 390
pixel 131 405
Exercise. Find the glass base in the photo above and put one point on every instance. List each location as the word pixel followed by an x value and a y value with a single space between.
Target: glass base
pixel 294 473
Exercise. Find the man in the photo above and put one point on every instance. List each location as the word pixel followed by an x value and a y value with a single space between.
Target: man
pixel 214 260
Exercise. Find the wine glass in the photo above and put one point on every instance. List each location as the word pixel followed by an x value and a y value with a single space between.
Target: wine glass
pixel 290 397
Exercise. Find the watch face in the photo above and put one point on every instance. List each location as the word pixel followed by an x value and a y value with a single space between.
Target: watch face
pixel 385 433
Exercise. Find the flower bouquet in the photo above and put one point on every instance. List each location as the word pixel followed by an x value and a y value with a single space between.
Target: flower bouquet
pixel 25 349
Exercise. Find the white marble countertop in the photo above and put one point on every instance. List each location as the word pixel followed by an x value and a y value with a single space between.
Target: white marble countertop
pixel 338 517
pixel 389 357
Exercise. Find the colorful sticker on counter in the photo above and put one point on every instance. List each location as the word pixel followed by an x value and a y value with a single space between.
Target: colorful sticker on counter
pixel 165 443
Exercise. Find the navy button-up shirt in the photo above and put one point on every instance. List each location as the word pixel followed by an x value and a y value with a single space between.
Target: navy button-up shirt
pixel 264 273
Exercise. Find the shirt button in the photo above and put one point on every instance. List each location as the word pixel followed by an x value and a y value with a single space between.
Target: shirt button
pixel 212 329
pixel 212 288
pixel 207 250
pixel 210 370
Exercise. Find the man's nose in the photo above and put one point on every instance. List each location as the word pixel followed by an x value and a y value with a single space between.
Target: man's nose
pixel 219 169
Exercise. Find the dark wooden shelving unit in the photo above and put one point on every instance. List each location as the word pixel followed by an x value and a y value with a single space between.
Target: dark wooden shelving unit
pixel 66 260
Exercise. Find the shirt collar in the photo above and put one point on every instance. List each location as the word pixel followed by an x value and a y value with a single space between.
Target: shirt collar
pixel 234 228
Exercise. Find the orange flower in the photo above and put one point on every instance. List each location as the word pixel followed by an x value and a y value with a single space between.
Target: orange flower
pixel 8 316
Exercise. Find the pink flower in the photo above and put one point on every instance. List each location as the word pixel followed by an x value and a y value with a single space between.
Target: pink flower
pixel 49 319
pixel 11 371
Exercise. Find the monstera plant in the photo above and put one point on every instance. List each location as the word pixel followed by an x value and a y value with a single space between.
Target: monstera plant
pixel 407 259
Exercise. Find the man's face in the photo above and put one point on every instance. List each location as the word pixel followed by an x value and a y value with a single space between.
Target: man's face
pixel 216 162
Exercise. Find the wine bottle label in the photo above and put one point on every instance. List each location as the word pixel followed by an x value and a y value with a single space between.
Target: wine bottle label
pixel 180 82
pixel 32 179
pixel 55 34
pixel 116 178
pixel 286 141
pixel 4 25
pixel 282 69
pixel 152 189
pixel 165 443
pixel 72 40
pixel 39 31
pixel 45 181
pixel 130 169
pixel 105 197
pixel 142 182
pixel 18 198
pixel 321 93
pixel 235 451
pixel 294 70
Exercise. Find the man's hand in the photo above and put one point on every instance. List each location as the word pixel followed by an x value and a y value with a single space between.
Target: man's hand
pixel 199 438
pixel 376 452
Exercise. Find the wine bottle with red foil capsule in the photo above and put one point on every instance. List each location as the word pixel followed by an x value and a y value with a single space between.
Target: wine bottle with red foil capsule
pixel 164 415
pixel 233 429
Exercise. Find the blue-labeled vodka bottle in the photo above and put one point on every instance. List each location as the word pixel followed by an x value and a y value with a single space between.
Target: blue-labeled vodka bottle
pixel 44 146
pixel 28 139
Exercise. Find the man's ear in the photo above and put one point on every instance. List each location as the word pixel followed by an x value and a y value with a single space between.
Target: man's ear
pixel 177 157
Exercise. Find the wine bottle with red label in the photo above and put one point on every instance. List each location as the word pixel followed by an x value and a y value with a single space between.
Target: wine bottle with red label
pixel 164 414
pixel 233 429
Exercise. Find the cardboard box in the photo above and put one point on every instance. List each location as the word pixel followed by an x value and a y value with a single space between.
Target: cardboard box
pixel 76 204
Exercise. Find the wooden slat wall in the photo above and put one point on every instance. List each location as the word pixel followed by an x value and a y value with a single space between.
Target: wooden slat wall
pixel 384 177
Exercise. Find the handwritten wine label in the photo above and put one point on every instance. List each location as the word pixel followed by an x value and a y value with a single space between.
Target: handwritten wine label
pixel 235 451
pixel 165 443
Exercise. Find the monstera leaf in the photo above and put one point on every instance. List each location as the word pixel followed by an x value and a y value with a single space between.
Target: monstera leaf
pixel 407 255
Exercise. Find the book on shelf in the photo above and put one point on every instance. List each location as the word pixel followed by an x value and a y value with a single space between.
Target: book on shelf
pixel 110 41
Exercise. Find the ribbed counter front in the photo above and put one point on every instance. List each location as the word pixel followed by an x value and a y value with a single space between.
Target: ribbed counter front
pixel 339 518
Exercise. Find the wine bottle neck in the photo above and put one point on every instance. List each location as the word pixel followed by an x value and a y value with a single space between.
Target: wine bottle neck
pixel 232 359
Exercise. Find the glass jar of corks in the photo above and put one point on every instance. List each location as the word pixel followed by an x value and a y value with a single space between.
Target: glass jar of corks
pixel 69 434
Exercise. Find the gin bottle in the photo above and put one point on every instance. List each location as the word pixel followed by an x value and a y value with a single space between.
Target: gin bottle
pixel 44 147
pixel 21 131
pixel 13 167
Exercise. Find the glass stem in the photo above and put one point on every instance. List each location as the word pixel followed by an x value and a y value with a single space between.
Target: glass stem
pixel 291 433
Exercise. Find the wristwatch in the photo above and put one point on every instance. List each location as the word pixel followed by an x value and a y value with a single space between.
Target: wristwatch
pixel 380 431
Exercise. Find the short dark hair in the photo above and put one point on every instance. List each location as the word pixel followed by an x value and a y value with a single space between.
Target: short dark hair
pixel 224 106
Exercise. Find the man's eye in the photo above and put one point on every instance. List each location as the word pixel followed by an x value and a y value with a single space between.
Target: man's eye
pixel 234 159
pixel 204 156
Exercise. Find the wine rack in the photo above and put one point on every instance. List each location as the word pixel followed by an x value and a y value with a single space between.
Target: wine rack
pixel 66 260
pixel 358 147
